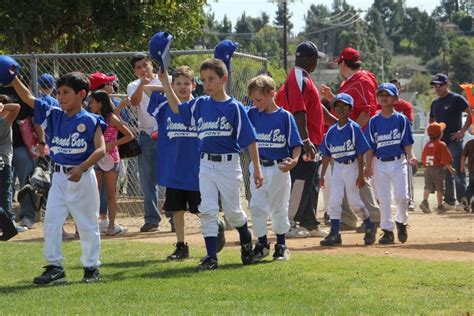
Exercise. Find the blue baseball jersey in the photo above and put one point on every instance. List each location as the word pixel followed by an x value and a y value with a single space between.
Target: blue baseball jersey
pixel 277 133
pixel 388 137
pixel 49 99
pixel 70 139
pixel 177 147
pixel 223 127
pixel 344 143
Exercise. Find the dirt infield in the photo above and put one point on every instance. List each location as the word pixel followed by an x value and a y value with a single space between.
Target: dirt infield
pixel 449 236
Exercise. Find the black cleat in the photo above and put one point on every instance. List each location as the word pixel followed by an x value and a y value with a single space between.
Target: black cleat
pixel 402 232
pixel 260 251
pixel 207 263
pixel 331 240
pixel 220 235
pixel 91 275
pixel 387 238
pixel 246 253
pixel 370 233
pixel 181 252
pixel 148 228
pixel 7 226
pixel 281 252
pixel 52 275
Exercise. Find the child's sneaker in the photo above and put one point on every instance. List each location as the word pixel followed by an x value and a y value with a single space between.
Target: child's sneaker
pixel 281 252
pixel 441 209
pixel 402 232
pixel 370 235
pixel 52 275
pixel 181 252
pixel 220 235
pixel 331 240
pixel 260 251
pixel 246 253
pixel 207 263
pixel 387 238
pixel 91 275
pixel 425 207
pixel 465 204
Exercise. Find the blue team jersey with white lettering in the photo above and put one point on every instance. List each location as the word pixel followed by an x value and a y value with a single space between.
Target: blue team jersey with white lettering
pixel 223 127
pixel 277 133
pixel 177 147
pixel 388 137
pixel 70 139
pixel 344 143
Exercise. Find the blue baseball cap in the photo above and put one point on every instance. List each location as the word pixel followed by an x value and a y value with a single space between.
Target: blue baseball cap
pixel 224 51
pixel 9 68
pixel 160 44
pixel 439 79
pixel 308 49
pixel 388 87
pixel 345 98
pixel 46 81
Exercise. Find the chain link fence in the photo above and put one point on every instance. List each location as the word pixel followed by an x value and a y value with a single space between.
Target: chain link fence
pixel 130 197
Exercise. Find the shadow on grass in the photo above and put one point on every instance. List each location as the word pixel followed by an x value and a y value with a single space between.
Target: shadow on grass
pixel 324 248
pixel 187 271
pixel 453 246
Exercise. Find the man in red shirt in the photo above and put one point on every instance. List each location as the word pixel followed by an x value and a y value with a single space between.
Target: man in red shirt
pixel 299 96
pixel 361 85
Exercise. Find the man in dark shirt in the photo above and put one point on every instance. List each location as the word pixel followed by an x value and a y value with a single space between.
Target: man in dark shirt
pixel 448 108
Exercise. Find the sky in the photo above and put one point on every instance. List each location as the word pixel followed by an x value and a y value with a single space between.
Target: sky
pixel 234 8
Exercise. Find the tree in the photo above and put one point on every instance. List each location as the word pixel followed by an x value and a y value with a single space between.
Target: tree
pixel 279 19
pixel 460 60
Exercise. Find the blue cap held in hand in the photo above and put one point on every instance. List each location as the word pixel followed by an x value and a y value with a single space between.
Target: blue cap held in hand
pixel 345 98
pixel 160 44
pixel 9 68
pixel 390 88
pixel 224 51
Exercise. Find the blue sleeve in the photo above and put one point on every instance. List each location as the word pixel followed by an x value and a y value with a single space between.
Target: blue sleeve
pixel 361 142
pixel 155 100
pixel 187 110
pixel 41 111
pixel 324 147
pixel 245 130
pixel 294 138
pixel 407 138
pixel 101 122
pixel 369 134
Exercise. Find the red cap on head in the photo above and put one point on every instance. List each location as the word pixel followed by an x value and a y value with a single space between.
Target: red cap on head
pixel 348 53
pixel 98 78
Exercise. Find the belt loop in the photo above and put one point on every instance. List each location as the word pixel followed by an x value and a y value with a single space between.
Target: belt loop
pixel 229 157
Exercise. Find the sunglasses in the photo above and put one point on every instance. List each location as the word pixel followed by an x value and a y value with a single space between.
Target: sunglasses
pixel 438 85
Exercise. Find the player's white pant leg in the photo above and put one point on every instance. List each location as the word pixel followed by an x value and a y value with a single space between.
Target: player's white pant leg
pixel 279 190
pixel 351 172
pixel 259 205
pixel 56 213
pixel 383 181
pixel 400 189
pixel 209 207
pixel 228 180
pixel 83 203
pixel 327 187
pixel 337 192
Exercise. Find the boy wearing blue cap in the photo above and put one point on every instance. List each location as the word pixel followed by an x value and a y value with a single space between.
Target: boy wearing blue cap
pixel 223 129
pixel 46 85
pixel 344 146
pixel 390 139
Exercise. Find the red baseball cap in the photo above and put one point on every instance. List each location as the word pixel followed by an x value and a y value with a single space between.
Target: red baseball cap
pixel 348 53
pixel 97 79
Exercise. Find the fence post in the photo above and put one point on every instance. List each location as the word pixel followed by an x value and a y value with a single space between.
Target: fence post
pixel 34 74
pixel 229 79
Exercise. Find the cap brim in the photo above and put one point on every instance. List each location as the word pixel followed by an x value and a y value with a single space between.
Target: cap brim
pixel 166 56
pixel 437 82
pixel 388 91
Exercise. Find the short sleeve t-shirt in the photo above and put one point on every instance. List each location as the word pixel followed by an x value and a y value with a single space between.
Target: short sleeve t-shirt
pixel 344 143
pixel 468 152
pixel 436 154
pixel 299 94
pixel 70 139
pixel 6 149
pixel 49 99
pixel 223 127
pixel 177 147
pixel 146 123
pixel 388 136
pixel 277 133
pixel 449 110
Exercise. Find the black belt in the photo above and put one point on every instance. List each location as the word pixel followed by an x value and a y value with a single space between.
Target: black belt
pixel 385 159
pixel 269 163
pixel 217 158
pixel 63 169
pixel 348 162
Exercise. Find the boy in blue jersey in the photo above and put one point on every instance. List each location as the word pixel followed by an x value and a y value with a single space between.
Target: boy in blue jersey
pixel 344 146
pixel 390 140
pixel 76 144
pixel 279 146
pixel 223 130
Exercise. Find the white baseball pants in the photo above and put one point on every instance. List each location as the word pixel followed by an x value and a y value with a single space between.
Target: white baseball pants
pixel 222 178
pixel 81 199
pixel 270 199
pixel 344 176
pixel 386 174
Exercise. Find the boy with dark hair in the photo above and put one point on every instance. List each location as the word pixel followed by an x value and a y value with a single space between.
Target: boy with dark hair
pixel 223 129
pixel 76 145
pixel 435 157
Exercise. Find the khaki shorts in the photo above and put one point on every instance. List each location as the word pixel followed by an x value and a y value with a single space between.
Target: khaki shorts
pixel 434 179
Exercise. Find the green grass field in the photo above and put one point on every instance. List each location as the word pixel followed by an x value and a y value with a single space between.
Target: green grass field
pixel 137 280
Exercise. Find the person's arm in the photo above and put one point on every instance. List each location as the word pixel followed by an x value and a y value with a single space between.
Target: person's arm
pixel 410 155
pixel 127 133
pixel 326 160
pixel 326 93
pixel 41 148
pixel 11 110
pixel 463 164
pixel 150 88
pixel 451 170
pixel 369 170
pixel 23 92
pixel 329 119
pixel 363 118
pixel 301 123
pixel 76 173
pixel 171 96
pixel 136 97
pixel 360 182
pixel 257 170
pixel 460 134
pixel 290 163
pixel 122 105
